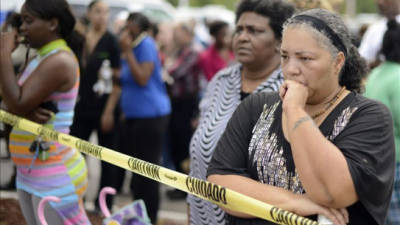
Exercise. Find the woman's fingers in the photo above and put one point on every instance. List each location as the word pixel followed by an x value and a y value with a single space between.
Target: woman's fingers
pixel 339 216
pixel 345 213
pixel 41 115
pixel 330 216
pixel 8 41
pixel 125 40
pixel 282 90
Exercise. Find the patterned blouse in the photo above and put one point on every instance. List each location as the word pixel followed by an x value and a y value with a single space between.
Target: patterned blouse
pixel 216 108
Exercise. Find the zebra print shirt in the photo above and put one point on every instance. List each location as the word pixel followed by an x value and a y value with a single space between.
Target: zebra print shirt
pixel 216 108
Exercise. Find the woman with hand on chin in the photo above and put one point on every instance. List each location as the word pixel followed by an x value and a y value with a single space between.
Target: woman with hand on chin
pixel 317 147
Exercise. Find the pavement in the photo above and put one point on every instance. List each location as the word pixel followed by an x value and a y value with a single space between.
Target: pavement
pixel 172 211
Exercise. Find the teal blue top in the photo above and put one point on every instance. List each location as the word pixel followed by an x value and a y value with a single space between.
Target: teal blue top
pixel 383 84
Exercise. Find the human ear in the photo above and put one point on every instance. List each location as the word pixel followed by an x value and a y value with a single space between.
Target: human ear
pixel 53 24
pixel 340 61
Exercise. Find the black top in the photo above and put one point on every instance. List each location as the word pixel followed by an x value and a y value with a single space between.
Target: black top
pixel 243 95
pixel 89 103
pixel 254 146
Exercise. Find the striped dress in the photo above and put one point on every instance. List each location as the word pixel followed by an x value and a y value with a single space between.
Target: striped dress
pixel 216 108
pixel 64 173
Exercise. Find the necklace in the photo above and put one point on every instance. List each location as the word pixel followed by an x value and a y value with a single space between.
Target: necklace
pixel 330 103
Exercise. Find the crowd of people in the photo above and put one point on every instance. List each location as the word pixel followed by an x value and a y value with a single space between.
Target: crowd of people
pixel 283 108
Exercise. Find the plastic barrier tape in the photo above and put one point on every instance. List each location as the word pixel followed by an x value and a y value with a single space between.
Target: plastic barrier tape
pixel 200 188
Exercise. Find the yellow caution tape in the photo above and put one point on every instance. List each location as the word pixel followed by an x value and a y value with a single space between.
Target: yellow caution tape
pixel 211 192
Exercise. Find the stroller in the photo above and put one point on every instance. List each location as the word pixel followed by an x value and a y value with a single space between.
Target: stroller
pixel 132 214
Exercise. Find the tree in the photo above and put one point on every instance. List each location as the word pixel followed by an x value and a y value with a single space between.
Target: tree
pixel 230 4
pixel 173 2
pixel 363 6
pixel 366 6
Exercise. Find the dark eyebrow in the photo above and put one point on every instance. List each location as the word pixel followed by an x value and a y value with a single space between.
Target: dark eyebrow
pixel 303 52
pixel 298 52
pixel 249 26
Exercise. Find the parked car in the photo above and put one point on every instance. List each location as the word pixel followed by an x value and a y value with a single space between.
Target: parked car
pixel 156 10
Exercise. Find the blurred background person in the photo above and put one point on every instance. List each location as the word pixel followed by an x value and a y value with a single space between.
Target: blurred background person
pixel 100 62
pixel 219 54
pixel 19 58
pixel 371 42
pixel 145 105
pixel 165 39
pixel 165 43
pixel 184 93
pixel 383 84
pixel 201 34
pixel 47 88
pixel 256 42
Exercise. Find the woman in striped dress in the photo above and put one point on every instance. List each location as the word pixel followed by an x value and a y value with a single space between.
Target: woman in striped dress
pixel 256 44
pixel 48 85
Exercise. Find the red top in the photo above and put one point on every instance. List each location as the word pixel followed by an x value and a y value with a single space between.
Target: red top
pixel 211 62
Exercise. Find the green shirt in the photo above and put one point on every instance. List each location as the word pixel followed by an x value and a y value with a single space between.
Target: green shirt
pixel 383 84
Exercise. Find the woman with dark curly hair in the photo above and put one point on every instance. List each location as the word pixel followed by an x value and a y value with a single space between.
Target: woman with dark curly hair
pixel 256 44
pixel 317 146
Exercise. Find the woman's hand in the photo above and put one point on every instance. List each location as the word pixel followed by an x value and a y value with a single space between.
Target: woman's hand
pixel 125 41
pixel 40 115
pixel 107 122
pixel 303 206
pixel 293 94
pixel 8 41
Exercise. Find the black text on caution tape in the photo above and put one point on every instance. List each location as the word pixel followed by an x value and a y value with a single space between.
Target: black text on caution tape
pixel 285 217
pixel 207 190
pixel 48 133
pixel 145 168
pixel 89 148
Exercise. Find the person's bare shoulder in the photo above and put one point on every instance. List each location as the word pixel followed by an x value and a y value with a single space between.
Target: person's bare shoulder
pixel 62 68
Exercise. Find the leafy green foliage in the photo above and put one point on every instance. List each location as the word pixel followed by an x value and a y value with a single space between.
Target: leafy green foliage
pixel 363 6
pixel 366 6
pixel 230 4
